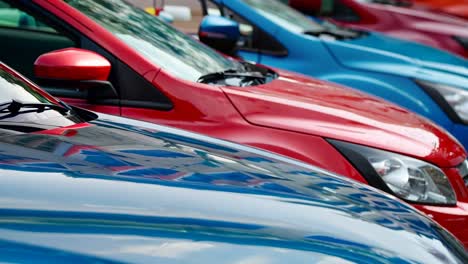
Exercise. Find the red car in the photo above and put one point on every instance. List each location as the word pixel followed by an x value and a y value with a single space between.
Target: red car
pixel 108 56
pixel 451 7
pixel 430 28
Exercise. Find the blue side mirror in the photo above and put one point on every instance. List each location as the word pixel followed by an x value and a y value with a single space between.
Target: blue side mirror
pixel 219 33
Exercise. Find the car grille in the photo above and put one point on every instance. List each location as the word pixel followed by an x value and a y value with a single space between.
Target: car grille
pixel 464 171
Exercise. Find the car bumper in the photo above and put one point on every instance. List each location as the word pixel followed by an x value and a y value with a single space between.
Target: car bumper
pixel 454 219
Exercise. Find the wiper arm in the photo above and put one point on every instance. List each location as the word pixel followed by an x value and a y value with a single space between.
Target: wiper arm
pixel 394 2
pixel 14 108
pixel 339 33
pixel 215 76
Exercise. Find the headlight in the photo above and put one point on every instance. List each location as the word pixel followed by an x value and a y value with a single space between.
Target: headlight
pixel 407 178
pixel 463 169
pixel 452 100
pixel 463 41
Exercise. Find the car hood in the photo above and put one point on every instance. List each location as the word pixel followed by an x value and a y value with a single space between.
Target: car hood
pixel 376 52
pixel 425 15
pixel 298 103
pixel 139 192
pixel 460 10
pixel 448 30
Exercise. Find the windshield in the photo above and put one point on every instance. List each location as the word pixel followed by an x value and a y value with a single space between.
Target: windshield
pixel 164 45
pixel 14 90
pixel 284 16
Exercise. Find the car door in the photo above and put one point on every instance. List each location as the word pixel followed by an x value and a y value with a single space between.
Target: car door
pixel 132 89
pixel 254 43
pixel 249 45
pixel 25 37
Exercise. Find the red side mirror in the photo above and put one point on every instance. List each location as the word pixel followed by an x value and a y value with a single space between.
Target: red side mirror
pixel 309 7
pixel 72 64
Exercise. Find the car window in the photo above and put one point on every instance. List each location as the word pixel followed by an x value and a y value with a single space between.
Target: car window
pixel 284 16
pixel 27 116
pixel 198 12
pixel 253 38
pixel 13 88
pixel 15 18
pixel 172 50
pixel 25 36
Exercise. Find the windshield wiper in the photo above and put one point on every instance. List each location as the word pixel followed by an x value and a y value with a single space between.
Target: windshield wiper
pixel 405 3
pixel 14 108
pixel 339 34
pixel 231 73
pixel 336 31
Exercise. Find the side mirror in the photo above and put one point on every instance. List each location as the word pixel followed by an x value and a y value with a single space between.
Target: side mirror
pixel 219 33
pixel 72 64
pixel 65 70
pixel 309 7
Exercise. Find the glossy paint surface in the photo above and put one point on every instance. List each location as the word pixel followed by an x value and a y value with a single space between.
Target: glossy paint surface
pixel 227 28
pixel 395 54
pixel 430 28
pixel 196 104
pixel 298 105
pixel 72 64
pixel 219 112
pixel 201 106
pixel 373 63
pixel 30 85
pixel 451 7
pixel 144 193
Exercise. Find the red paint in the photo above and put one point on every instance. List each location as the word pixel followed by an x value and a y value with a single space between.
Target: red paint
pixel 454 218
pixel 316 107
pixel 72 64
pixel 425 27
pixel 452 7
pixel 157 11
pixel 292 115
pixel 108 109
pixel 77 149
pixel 68 131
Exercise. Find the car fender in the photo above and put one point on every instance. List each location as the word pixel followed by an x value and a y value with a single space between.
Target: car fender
pixel 397 90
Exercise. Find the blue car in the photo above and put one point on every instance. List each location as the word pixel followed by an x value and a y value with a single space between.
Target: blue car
pixel 79 187
pixel 425 80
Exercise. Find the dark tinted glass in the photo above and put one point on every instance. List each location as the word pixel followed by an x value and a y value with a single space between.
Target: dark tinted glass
pixel 164 45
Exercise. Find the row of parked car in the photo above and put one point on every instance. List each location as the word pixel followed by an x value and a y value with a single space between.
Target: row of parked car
pixel 95 166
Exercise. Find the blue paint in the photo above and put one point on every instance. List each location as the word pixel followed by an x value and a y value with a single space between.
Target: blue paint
pixel 247 204
pixel 373 63
pixel 157 153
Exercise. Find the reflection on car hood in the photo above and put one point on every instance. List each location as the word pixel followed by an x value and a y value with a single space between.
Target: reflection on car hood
pixel 450 23
pixel 306 105
pixel 144 193
pixel 376 52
